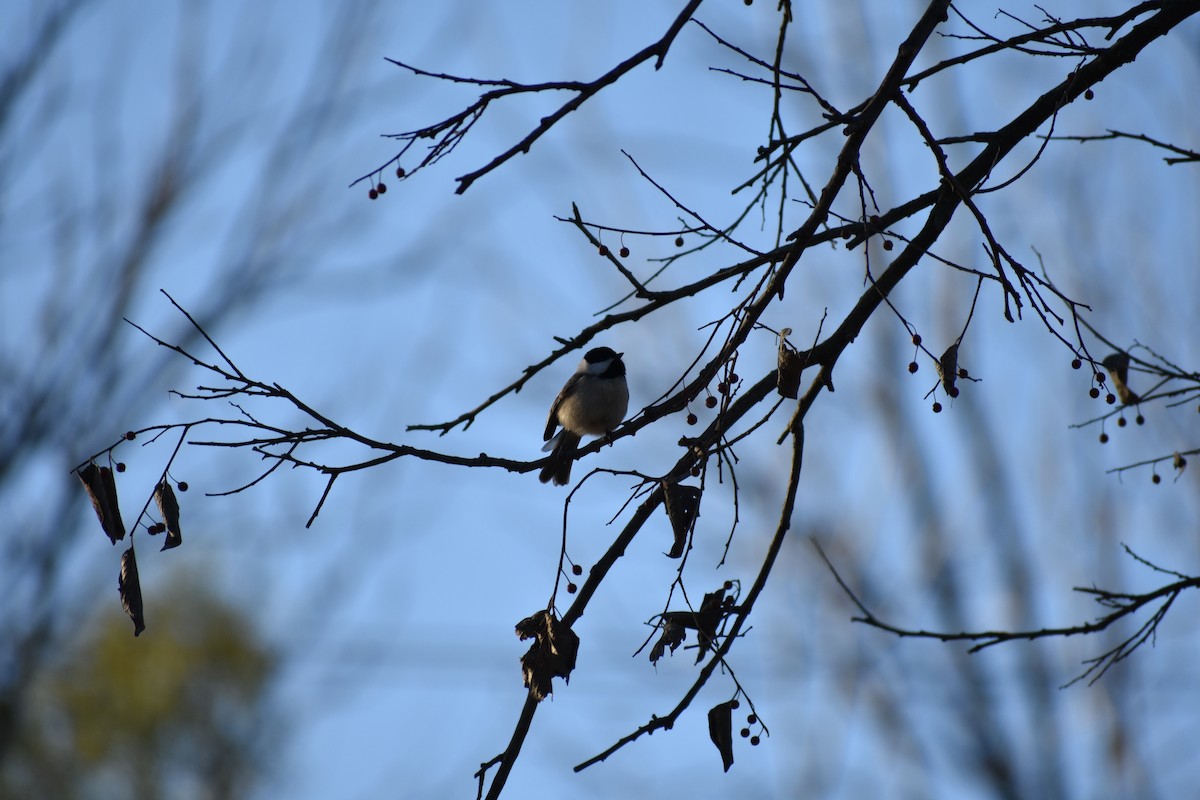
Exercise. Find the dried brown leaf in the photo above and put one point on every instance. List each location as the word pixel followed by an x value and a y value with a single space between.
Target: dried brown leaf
pixel 1117 365
pixel 168 507
pixel 720 730
pixel 948 369
pixel 673 635
pixel 682 503
pixel 130 589
pixel 102 489
pixel 552 655
pixel 787 379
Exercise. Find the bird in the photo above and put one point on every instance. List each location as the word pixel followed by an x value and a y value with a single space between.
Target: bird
pixel 592 402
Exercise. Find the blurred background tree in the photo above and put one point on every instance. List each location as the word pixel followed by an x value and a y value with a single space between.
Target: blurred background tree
pixel 138 152
pixel 186 713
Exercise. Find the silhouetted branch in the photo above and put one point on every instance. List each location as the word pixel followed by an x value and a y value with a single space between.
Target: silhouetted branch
pixel 448 133
pixel 1123 605
pixel 1185 155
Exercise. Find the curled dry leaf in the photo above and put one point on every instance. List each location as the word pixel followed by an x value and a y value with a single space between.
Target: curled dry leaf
pixel 673 635
pixel 683 506
pixel 552 655
pixel 102 489
pixel 712 611
pixel 720 730
pixel 130 589
pixel 787 380
pixel 168 507
pixel 948 368
pixel 704 621
pixel 1117 365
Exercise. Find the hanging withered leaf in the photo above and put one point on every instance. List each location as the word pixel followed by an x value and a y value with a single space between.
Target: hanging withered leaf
pixel 704 621
pixel 787 378
pixel 673 635
pixel 1179 463
pixel 552 654
pixel 720 730
pixel 948 369
pixel 712 611
pixel 102 489
pixel 683 506
pixel 1117 365
pixel 130 589
pixel 168 507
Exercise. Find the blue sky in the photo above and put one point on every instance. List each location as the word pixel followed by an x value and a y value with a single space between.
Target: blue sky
pixel 399 603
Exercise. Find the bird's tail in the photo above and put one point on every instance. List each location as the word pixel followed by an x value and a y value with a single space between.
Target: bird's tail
pixel 558 465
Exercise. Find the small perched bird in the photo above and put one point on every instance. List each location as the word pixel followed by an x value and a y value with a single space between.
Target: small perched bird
pixel 592 402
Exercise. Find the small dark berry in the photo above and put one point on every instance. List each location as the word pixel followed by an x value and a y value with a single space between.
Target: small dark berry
pixel 1089 94
pixel 887 244
pixel 1093 393
pixel 120 466
pixel 916 340
pixel 1156 478
pixel 373 194
pixel 953 391
pixel 937 408
pixel 692 419
pixel 962 373
pixel 381 188
pixel 603 250
pixel 183 486
pixel 728 585
pixel 745 733
pixel 695 472
pixel 913 366
pixel 1104 438
pixel 1099 377
pixel 1110 398
pixel 572 588
pixel 1076 364
pixel 723 388
pixel 399 172
pixel 754 740
pixel 1140 420
pixel 748 2
pixel 624 252
pixel 735 703
pixel 710 401
pixel 576 569
pixel 679 241
pixel 1121 423
pixel 733 378
pixel 751 719
pixel 130 436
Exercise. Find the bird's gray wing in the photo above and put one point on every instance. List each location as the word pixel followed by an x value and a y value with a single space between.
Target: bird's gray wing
pixel 552 419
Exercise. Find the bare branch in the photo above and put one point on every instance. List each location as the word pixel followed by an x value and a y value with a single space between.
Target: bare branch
pixel 448 133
